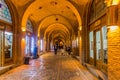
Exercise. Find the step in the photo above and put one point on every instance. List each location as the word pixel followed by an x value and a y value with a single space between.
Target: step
pixel 96 72
pixel 6 68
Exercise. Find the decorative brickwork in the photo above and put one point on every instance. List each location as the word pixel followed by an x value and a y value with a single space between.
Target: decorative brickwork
pixel 114 51
pixel 114 54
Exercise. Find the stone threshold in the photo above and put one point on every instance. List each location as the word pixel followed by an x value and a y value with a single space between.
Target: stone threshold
pixel 96 72
pixel 76 57
pixel 6 68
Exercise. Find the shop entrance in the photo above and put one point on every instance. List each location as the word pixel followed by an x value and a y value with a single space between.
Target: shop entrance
pixel 98 48
pixel 5 47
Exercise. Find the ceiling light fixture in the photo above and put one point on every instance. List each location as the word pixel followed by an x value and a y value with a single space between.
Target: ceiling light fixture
pixel 57 19
pixel 62 11
pixel 40 7
pixel 67 7
pixel 53 3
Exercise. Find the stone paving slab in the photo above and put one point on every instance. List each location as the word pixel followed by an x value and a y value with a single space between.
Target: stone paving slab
pixel 50 67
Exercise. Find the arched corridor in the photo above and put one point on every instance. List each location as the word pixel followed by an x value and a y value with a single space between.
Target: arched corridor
pixel 87 30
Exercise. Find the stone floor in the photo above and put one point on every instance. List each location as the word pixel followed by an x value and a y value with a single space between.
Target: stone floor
pixel 50 67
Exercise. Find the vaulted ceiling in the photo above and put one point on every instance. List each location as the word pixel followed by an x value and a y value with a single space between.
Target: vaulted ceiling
pixel 60 14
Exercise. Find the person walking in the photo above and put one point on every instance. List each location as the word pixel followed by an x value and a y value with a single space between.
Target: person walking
pixel 69 50
pixel 55 49
pixel 35 52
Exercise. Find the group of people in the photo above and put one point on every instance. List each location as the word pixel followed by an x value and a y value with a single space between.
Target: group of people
pixel 68 49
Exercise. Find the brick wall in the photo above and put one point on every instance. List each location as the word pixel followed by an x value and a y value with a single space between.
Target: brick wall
pixel 114 52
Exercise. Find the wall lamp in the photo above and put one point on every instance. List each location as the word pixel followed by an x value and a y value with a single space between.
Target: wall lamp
pixel 112 14
pixel 23 29
pixel 115 2
pixel 80 28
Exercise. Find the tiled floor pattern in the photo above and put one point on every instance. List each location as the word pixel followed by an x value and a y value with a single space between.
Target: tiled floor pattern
pixel 50 67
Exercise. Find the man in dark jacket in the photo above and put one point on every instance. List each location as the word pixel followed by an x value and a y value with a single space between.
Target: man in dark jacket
pixel 69 50
pixel 55 49
pixel 35 52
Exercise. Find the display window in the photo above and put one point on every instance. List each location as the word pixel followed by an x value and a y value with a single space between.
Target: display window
pixel 98 45
pixel 91 44
pixel 105 47
pixel 29 45
pixel 32 45
pixel 6 39
pixel 41 45
pixel 91 48
pixel 8 45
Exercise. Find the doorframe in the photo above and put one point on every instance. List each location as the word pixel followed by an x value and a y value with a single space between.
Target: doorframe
pixel 2 49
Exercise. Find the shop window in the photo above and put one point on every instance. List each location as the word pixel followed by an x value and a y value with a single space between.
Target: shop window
pixel 32 44
pixel 74 44
pixel 4 12
pixel 104 39
pixel 99 38
pixel 41 45
pixel 27 45
pixel 98 46
pixel 8 45
pixel 91 44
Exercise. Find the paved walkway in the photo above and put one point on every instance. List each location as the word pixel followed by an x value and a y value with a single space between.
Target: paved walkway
pixel 50 67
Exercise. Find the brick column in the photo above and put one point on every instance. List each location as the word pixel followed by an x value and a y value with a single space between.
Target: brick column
pixel 114 51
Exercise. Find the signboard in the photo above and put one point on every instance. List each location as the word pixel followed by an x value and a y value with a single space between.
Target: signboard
pixel 29 26
pixel 2 27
